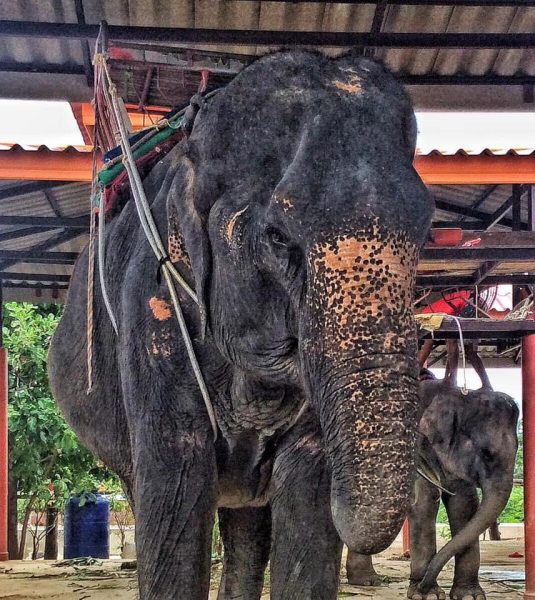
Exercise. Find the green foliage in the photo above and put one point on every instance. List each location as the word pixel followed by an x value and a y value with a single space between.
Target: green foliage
pixel 46 460
pixel 519 462
pixel 442 517
pixel 217 542
pixel 119 507
pixel 514 511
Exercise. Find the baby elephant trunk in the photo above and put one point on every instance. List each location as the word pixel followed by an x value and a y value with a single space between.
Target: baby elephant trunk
pixel 494 500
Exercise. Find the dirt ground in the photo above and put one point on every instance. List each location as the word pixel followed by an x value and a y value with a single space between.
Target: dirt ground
pixel 501 577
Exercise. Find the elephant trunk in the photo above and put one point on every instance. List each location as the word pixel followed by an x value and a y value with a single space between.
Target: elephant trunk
pixel 494 500
pixel 358 346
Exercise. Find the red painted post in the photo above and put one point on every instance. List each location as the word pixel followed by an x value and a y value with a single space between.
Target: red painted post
pixel 528 415
pixel 4 555
pixel 406 536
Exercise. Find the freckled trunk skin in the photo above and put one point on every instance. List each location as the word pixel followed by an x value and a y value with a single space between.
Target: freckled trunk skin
pixel 359 349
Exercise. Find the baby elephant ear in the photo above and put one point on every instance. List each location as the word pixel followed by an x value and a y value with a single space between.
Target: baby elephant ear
pixel 428 464
pixel 181 203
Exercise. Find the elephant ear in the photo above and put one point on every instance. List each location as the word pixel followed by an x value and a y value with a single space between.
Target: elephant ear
pixel 428 465
pixel 191 216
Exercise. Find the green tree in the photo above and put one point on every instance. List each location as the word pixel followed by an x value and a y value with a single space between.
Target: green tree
pixel 46 460
pixel 519 463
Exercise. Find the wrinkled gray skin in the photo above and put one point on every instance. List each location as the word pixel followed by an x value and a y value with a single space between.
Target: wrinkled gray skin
pixel 295 211
pixel 474 438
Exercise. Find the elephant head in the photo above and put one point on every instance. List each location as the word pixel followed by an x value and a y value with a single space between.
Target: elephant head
pixel 303 217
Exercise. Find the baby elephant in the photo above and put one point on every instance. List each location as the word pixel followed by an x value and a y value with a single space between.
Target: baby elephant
pixel 474 438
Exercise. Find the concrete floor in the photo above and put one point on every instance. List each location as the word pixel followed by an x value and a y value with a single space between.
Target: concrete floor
pixel 501 577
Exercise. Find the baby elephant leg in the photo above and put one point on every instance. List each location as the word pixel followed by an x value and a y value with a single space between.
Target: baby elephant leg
pixel 360 570
pixel 423 542
pixel 461 508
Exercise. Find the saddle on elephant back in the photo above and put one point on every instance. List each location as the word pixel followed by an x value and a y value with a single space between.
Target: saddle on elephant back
pixel 149 146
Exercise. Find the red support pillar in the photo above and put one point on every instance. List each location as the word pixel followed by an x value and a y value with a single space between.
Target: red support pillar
pixel 406 536
pixel 528 415
pixel 3 454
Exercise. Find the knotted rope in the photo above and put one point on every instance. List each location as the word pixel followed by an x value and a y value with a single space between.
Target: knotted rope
pixel 148 225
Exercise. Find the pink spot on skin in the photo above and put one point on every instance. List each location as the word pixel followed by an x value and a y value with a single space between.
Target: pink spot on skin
pixel 160 309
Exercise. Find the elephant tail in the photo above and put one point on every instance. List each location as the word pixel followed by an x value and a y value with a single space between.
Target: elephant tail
pixel 492 504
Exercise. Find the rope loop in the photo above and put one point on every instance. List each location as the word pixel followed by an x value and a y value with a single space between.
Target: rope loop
pixel 161 264
pixel 148 224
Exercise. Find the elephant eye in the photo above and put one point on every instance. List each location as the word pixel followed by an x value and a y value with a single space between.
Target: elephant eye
pixel 276 237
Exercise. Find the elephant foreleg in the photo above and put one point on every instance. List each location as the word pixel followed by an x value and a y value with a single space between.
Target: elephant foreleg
pixel 461 508
pixel 360 571
pixel 306 548
pixel 246 535
pixel 174 499
pixel 423 543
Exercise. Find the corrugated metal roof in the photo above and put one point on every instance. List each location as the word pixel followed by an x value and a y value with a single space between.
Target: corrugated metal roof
pixel 434 152
pixel 479 152
pixel 316 16
pixel 64 200
pixel 33 148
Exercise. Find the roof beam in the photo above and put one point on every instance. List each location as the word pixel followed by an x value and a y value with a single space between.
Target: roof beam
pixel 476 170
pixel 45 165
pixel 483 328
pixel 466 211
pixel 36 29
pixel 466 225
pixel 520 79
pixel 51 199
pixel 39 251
pixel 17 234
pixel 465 79
pixel 475 253
pixel 32 67
pixel 518 3
pixel 36 256
pixel 513 201
pixel 484 271
pixel 13 276
pixel 516 205
pixel 81 223
pixel 34 286
pixel 434 169
pixel 86 52
pixel 447 280
pixel 487 193
pixel 20 189
pixel 377 23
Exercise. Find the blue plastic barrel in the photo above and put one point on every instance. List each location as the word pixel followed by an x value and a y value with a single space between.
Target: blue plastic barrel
pixel 87 530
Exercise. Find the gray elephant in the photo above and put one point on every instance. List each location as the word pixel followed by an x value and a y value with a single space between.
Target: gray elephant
pixel 295 211
pixel 474 437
